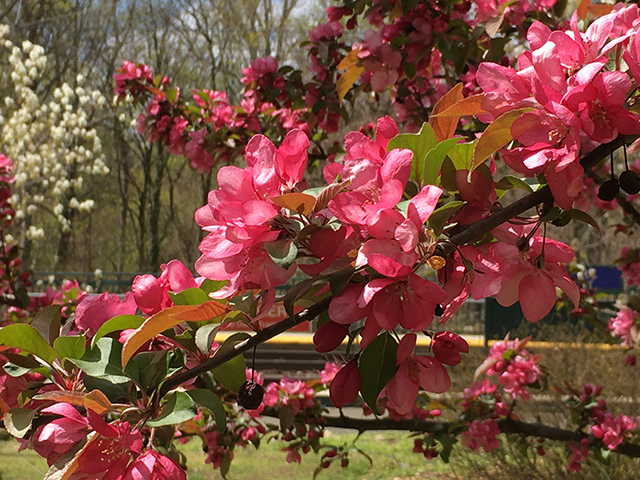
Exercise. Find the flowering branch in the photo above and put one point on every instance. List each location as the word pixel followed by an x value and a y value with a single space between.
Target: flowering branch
pixel 543 195
pixel 505 425
pixel 260 337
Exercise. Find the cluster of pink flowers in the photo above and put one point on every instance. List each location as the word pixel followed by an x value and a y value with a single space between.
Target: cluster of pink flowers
pixel 613 430
pixel 481 434
pixel 513 13
pixel 109 450
pixel 515 367
pixel 482 400
pixel 294 393
pixel 573 102
pixel 578 454
pixel 621 324
pixel 629 264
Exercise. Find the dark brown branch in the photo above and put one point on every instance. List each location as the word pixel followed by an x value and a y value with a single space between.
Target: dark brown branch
pixel 505 425
pixel 260 337
pixel 468 233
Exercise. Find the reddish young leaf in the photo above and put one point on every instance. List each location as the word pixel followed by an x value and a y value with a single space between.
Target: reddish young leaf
pixel 296 202
pixel 445 127
pixel 168 318
pixel 467 106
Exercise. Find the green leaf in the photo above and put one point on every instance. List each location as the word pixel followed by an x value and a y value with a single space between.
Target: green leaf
pixel 377 365
pixel 496 136
pixel 295 293
pixel 339 280
pixel 148 368
pixel 211 402
pixel 287 417
pixel 420 144
pixel 190 296
pixel 116 324
pixel 210 286
pixel 47 322
pixel 205 336
pixel 178 408
pixel 231 373
pixel 509 181
pixel 103 361
pixel 70 347
pixel 586 218
pixel 282 252
pixel 434 159
pixel 28 339
pixel 461 155
pixel 18 421
pixel 225 464
pixel 441 216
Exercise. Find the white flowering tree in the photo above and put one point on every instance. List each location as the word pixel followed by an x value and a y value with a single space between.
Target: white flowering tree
pixel 50 140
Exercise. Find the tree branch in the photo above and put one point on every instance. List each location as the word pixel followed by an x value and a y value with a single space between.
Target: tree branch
pixel 505 425
pixel 260 337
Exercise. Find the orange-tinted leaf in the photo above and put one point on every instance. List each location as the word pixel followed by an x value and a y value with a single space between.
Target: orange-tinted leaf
pixel 347 80
pixel 467 106
pixel 73 398
pixel 202 313
pixel 151 327
pixel 156 91
pixel 445 127
pixel 296 202
pixel 496 136
pixel 599 10
pixel 582 9
pixel 94 400
pixel 396 12
pixel 4 408
pixel 349 61
pixel 98 402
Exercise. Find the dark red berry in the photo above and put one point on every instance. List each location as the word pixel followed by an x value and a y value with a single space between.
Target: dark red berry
pixel 630 182
pixel 250 395
pixel 609 190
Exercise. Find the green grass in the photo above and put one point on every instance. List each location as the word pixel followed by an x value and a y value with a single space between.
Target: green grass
pixel 391 452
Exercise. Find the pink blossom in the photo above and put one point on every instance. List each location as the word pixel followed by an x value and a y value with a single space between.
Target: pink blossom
pixel 345 385
pixel 447 346
pixel 153 466
pixel 108 456
pixel 60 435
pixel 612 430
pixel 329 372
pixel 481 434
pixel 620 325
pixel 578 454
pixel 288 391
pixel 329 336
pixel 152 294
pixel 93 311
pixel 414 372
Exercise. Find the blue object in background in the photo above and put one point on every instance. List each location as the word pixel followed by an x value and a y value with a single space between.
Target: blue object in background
pixel 608 278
